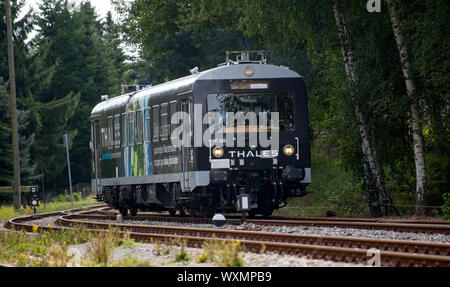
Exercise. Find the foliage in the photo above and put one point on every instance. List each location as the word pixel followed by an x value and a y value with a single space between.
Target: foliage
pixel 446 206
pixel 60 73
pixel 76 57
pixel 202 258
pixel 5 134
pixel 27 168
pixel 65 197
pixel 335 189
pixel 88 63
pixel 175 36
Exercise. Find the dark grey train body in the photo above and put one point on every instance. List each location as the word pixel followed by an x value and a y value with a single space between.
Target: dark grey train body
pixel 136 167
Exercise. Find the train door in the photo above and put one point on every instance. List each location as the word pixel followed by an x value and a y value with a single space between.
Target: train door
pixel 96 144
pixel 185 151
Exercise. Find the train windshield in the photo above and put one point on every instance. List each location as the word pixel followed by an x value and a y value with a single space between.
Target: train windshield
pixel 258 109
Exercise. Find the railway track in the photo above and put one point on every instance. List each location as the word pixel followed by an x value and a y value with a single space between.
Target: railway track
pixel 348 249
pixel 432 248
pixel 400 225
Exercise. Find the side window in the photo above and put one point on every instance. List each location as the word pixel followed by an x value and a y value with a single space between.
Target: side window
pixel 124 130
pixel 138 125
pixel 109 132
pixel 102 137
pixel 147 125
pixel 164 122
pixel 186 106
pixel 172 110
pixel 155 115
pixel 117 130
pixel 131 128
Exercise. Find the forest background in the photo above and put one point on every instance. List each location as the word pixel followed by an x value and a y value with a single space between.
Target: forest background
pixel 377 82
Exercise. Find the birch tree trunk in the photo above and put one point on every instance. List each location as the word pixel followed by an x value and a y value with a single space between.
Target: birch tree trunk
pixel 373 169
pixel 372 191
pixel 419 156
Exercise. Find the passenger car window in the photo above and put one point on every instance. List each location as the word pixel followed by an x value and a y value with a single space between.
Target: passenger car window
pixel 155 114
pixel 131 128
pixel 124 130
pixel 147 125
pixel 117 130
pixel 138 127
pixel 164 122
pixel 172 111
pixel 109 132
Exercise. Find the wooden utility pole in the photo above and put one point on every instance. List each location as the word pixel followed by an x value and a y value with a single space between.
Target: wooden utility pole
pixel 43 186
pixel 12 89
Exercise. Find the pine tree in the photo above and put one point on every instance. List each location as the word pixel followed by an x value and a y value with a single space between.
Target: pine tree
pixel 88 63
pixel 48 145
pixel 6 167
pixel 27 120
pixel 27 168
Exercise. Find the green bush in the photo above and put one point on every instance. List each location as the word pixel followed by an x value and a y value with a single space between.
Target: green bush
pixel 446 206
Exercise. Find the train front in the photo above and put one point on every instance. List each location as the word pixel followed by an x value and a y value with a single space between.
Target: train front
pixel 255 136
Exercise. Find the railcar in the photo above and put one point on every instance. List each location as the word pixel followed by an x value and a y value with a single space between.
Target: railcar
pixel 136 165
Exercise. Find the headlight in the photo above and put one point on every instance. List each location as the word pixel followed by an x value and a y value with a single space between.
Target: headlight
pixel 288 150
pixel 218 152
pixel 248 71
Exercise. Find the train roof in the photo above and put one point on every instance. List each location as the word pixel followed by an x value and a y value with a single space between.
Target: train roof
pixel 260 71
pixel 111 104
pixel 185 84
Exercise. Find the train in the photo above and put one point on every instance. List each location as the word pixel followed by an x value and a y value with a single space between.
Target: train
pixel 234 138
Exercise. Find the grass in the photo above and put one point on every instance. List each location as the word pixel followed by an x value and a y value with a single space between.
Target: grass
pixel 224 253
pixel 7 212
pixel 47 249
pixel 182 255
pixel 51 248
pixel 104 242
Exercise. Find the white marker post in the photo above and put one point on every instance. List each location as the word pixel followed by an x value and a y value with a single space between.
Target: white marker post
pixel 67 141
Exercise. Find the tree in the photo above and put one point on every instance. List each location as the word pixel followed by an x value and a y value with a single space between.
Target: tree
pixel 87 63
pixel 27 168
pixel 371 163
pixel 175 36
pixel 21 28
pixel 416 118
pixel 5 135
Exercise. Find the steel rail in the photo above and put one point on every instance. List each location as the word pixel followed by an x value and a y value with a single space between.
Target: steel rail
pixel 394 226
pixel 109 210
pixel 382 225
pixel 20 221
